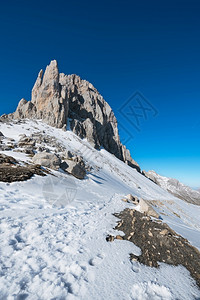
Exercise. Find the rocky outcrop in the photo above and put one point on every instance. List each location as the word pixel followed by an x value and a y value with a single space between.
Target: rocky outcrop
pixel 48 160
pixel 26 141
pixel 143 205
pixel 73 165
pixel 74 168
pixel 158 243
pixel 174 187
pixel 11 170
pixel 94 119
pixel 57 97
pixel 48 102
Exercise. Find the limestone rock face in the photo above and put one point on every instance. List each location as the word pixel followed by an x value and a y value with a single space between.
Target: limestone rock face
pixel 57 97
pixel 47 101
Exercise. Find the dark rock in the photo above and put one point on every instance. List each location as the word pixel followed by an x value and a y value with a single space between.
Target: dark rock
pixel 19 173
pixel 110 238
pixel 68 155
pixel 158 242
pixel 5 159
pixel 11 171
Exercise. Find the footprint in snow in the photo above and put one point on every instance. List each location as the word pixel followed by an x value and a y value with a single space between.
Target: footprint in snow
pixel 96 260
pixel 135 267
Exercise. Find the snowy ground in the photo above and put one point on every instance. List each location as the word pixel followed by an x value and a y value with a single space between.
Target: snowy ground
pixel 60 251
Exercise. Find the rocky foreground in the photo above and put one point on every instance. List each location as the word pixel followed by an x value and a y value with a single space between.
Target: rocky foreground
pixel 158 242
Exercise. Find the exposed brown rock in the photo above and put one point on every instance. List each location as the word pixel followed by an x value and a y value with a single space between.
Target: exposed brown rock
pixel 11 171
pixel 7 160
pixel 119 237
pixel 158 242
pixel 19 173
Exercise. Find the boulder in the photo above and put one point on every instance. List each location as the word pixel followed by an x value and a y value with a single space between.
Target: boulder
pixel 147 208
pixel 143 205
pixel 131 199
pixel 48 160
pixel 77 169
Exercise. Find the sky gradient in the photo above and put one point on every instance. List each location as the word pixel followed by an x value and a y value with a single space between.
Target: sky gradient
pixel 122 47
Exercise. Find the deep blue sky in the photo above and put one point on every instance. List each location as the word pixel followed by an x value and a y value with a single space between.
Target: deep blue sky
pixel 121 47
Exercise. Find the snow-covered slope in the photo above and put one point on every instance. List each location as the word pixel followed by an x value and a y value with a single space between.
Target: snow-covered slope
pixel 60 251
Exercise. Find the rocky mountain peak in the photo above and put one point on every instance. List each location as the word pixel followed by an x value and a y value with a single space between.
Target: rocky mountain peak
pixel 58 98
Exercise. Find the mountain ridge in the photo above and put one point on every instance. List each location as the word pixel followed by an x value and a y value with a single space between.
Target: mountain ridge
pixel 174 187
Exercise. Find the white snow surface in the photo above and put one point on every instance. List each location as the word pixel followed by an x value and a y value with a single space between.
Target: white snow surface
pixel 60 251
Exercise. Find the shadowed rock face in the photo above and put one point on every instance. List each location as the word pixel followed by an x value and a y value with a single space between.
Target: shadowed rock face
pixel 57 97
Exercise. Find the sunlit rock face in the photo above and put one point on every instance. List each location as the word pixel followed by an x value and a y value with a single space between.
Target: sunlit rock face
pixel 48 102
pixel 58 98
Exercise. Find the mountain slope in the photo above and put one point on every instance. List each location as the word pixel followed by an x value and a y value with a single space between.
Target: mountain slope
pixel 175 187
pixel 60 251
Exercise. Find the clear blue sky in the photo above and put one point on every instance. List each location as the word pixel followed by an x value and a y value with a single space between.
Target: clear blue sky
pixel 121 47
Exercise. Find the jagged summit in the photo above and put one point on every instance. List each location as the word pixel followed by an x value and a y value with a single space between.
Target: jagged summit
pixel 49 99
pixel 58 98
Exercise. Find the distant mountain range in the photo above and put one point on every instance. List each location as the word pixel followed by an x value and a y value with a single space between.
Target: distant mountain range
pixel 175 187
